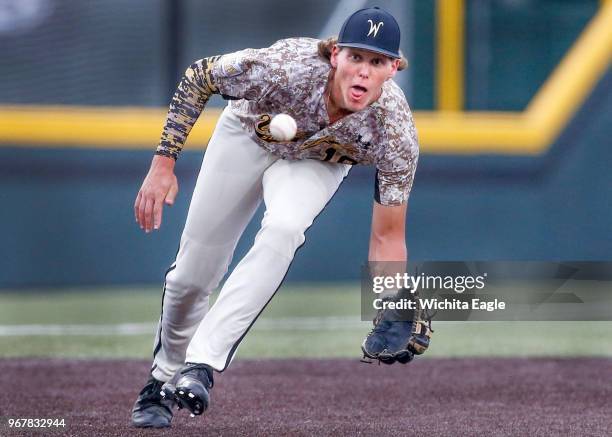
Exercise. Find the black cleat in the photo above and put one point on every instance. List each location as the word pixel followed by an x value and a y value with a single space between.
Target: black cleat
pixel 192 388
pixel 152 410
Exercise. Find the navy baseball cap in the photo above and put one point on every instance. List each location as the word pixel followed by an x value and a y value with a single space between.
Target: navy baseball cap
pixel 372 29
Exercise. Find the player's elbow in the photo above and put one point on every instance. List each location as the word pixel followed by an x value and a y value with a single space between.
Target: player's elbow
pixel 192 70
pixel 388 231
pixel 390 239
pixel 198 75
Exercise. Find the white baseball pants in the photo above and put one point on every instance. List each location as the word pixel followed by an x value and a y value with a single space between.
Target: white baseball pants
pixel 236 175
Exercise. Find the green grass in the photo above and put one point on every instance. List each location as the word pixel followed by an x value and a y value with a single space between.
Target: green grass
pixel 111 306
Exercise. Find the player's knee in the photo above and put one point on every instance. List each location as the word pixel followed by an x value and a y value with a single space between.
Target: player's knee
pixel 199 268
pixel 190 282
pixel 286 227
pixel 284 234
pixel 184 288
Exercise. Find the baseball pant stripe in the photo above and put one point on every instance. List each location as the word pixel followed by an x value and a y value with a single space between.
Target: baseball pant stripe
pixel 157 346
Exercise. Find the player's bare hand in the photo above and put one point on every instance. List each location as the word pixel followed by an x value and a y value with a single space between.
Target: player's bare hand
pixel 159 187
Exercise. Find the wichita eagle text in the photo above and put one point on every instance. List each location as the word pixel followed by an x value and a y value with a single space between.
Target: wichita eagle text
pixel 440 305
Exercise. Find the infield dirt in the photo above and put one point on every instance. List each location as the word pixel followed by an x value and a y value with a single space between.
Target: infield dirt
pixel 446 397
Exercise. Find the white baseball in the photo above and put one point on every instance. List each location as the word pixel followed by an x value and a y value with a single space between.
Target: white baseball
pixel 283 127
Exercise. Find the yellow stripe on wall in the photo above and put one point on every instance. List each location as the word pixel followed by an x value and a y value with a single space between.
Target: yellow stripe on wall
pixel 478 133
pixel 82 126
pixel 140 128
pixel 450 25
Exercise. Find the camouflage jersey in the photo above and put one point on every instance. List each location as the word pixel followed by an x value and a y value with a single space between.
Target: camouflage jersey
pixel 291 77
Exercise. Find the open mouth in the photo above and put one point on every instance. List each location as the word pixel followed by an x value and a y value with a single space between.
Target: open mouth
pixel 357 91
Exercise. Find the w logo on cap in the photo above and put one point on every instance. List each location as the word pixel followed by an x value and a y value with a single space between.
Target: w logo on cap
pixel 354 32
pixel 374 28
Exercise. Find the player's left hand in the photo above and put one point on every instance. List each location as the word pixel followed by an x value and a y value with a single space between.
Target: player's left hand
pixel 159 187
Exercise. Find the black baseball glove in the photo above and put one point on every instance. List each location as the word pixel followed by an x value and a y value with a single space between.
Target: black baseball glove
pixel 398 334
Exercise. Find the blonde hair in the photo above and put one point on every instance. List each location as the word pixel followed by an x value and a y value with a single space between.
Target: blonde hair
pixel 325 50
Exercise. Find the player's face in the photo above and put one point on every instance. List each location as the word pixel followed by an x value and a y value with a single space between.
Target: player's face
pixel 359 76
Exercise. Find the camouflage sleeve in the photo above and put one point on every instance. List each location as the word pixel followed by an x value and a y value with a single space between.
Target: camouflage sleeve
pixel 246 74
pixel 194 90
pixel 395 171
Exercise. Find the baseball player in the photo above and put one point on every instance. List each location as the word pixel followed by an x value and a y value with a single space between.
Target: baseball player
pixel 348 111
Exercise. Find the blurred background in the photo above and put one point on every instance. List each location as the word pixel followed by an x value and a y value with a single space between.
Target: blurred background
pixel 512 101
